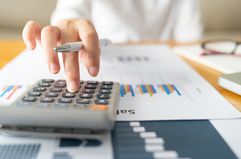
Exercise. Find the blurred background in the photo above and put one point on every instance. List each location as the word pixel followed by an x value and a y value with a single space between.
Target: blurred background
pixel 221 18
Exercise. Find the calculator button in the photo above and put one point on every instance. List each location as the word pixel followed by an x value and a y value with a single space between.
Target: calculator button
pixel 90 86
pixel 68 95
pixel 105 91
pixel 48 81
pixel 34 94
pixel 83 101
pixel 101 101
pixel 92 82
pixel 60 84
pixel 64 100
pixel 88 91
pixel 47 100
pixel 99 107
pixel 107 83
pixel 39 89
pixel 51 94
pixel 43 84
pixel 29 99
pixel 103 96
pixel 54 89
pixel 85 95
pixel 106 87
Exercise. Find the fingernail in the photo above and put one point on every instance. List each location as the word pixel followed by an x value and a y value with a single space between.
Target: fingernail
pixel 73 86
pixel 53 68
pixel 93 70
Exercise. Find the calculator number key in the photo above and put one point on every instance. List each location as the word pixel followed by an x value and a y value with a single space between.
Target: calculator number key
pixel 43 84
pixel 39 89
pixel 103 96
pixel 51 94
pixel 83 101
pixel 29 99
pixel 92 82
pixel 105 91
pixel 85 95
pixel 107 83
pixel 64 100
pixel 54 89
pixel 68 95
pixel 88 91
pixel 47 100
pixel 101 101
pixel 106 87
pixel 60 84
pixel 48 81
pixel 90 86
pixel 34 94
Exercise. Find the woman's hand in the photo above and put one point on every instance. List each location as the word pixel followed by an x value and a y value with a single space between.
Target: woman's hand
pixel 63 32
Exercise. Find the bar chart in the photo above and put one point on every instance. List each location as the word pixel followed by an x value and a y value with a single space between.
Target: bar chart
pixel 150 89
pixel 8 91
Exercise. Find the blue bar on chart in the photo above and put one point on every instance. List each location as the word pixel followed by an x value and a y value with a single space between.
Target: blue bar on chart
pixel 150 89
pixel 8 91
pixel 146 88
pixel 125 88
pixel 142 88
pixel 169 89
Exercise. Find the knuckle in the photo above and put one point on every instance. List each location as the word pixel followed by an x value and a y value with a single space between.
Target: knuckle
pixel 66 23
pixel 91 35
pixel 49 29
pixel 85 22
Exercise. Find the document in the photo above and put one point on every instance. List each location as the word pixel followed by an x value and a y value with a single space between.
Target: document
pixel 63 148
pixel 155 83
pixel 230 132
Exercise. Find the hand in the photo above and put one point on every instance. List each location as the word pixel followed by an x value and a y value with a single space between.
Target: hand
pixel 63 32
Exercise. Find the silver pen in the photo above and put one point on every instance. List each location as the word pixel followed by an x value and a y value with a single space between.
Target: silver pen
pixel 77 46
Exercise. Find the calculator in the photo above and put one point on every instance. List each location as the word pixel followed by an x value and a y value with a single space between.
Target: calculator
pixel 49 104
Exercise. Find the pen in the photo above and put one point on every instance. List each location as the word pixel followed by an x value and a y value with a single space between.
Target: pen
pixel 77 46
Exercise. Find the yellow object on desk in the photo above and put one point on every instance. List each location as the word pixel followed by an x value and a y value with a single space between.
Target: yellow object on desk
pixel 9 49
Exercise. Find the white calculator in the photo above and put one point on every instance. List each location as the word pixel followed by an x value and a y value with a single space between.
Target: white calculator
pixel 48 104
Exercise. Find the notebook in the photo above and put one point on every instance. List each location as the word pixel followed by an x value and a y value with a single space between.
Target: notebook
pixel 221 63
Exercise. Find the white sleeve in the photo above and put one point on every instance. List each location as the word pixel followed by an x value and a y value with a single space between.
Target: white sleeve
pixel 188 25
pixel 71 9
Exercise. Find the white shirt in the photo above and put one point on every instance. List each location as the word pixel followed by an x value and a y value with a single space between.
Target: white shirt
pixel 125 20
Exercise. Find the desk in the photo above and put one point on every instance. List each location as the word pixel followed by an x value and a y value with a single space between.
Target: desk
pixel 11 48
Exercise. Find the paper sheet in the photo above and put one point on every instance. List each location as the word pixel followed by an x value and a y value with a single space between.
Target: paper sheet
pixel 155 84
pixel 130 65
pixel 230 131
pixel 40 148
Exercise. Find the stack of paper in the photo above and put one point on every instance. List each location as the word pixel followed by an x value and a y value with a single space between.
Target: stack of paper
pixel 155 85
pixel 222 63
